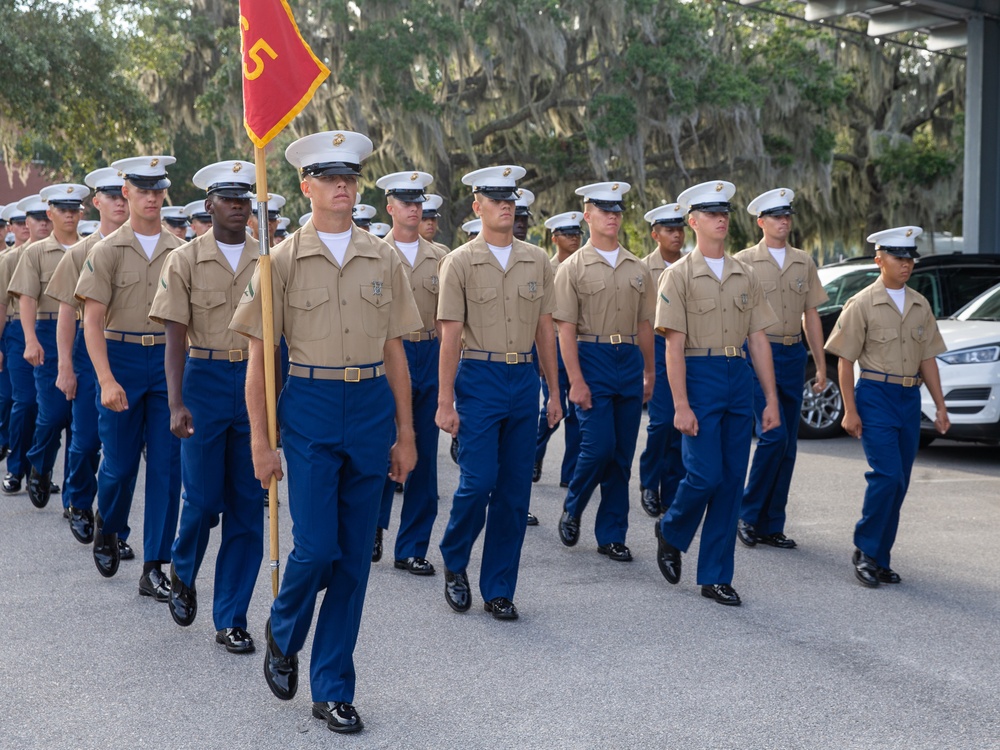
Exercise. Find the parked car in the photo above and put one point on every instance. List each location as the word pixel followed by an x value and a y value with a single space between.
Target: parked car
pixel 970 374
pixel 949 282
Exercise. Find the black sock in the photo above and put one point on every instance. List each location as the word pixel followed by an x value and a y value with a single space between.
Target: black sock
pixel 148 566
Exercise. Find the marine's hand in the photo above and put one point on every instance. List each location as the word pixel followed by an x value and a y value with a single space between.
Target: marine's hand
pixel 266 463
pixel 66 382
pixel 113 397
pixel 941 421
pixel 770 417
pixel 402 458
pixel 553 411
pixel 685 421
pixel 447 419
pixel 579 394
pixel 852 424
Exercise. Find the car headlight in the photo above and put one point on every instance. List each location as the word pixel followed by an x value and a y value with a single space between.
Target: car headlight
pixel 972 356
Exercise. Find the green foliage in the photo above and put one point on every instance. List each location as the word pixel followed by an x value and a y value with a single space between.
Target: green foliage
pixel 919 162
pixel 780 149
pixel 824 141
pixel 612 118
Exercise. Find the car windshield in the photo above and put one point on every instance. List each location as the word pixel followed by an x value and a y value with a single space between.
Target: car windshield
pixel 845 286
pixel 984 307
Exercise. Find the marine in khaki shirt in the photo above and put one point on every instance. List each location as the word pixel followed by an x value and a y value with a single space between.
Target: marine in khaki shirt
pixel 425 282
pixel 890 330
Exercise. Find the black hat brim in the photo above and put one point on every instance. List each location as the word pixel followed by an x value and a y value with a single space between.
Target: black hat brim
pixel 498 193
pixel 331 168
pixel 899 252
pixel 722 207
pixel 779 211
pixel 614 207
pixel 148 183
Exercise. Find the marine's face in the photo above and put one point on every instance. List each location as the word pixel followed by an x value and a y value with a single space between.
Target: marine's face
pixel 201 227
pixel 601 222
pixel 497 215
pixel 405 215
pixel 567 244
pixel 38 229
pixel 178 232
pixel 20 230
pixel 113 208
pixel 709 224
pixel 229 213
pixel 776 227
pixel 64 220
pixel 331 193
pixel 427 229
pixel 144 204
pixel 668 239
pixel 895 271
pixel 521 227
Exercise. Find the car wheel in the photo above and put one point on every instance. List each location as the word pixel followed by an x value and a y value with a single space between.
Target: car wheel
pixel 822 412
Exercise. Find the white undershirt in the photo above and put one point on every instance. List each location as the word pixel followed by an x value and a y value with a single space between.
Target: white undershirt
pixel 898 296
pixel 409 250
pixel 336 244
pixel 778 253
pixel 502 254
pixel 716 265
pixel 610 256
pixel 148 242
pixel 233 253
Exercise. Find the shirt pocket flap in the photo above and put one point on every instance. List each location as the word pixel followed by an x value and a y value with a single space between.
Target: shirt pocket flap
pixel 207 298
pixel 799 286
pixel 529 291
pixel 431 284
pixel 376 293
pixel 126 278
pixel 591 287
pixel 637 283
pixel 883 335
pixel 919 333
pixel 307 299
pixel 768 286
pixel 482 294
pixel 701 306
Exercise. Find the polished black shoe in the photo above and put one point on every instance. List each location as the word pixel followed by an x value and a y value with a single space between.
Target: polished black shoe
pixel 865 569
pixel 536 471
pixel 81 524
pixel 888 575
pixel 453 451
pixel 11 483
pixel 106 554
pixel 416 565
pixel 236 640
pixel 723 593
pixel 39 489
pixel 615 551
pixel 339 717
pixel 532 520
pixel 66 513
pixel 456 590
pixel 281 672
pixel 778 540
pixel 54 489
pixel 399 488
pixel 501 608
pixel 156 585
pixel 125 551
pixel 650 501
pixel 668 557
pixel 564 485
pixel 183 601
pixel 377 548
pixel 746 533
pixel 569 529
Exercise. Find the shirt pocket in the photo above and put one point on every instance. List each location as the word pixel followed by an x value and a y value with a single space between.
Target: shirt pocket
pixel 884 343
pixel 208 313
pixel 431 285
pixel 482 303
pixel 592 301
pixel 702 319
pixel 920 334
pixel 375 312
pixel 529 303
pixel 309 313
pixel 125 293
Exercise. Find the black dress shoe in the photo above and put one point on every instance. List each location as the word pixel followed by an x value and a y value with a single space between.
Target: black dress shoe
pixel 723 593
pixel 39 489
pixel 66 513
pixel 106 554
pixel 281 672
pixel 156 585
pixel 778 540
pixel 81 524
pixel 501 608
pixel 456 590
pixel 377 548
pixel 54 489
pixel 668 557
pixel 11 483
pixel 453 451
pixel 416 565
pixel 865 569
pixel 650 501
pixel 888 575
pixel 339 717
pixel 399 488
pixel 536 471
pixel 236 640
pixel 746 533
pixel 532 521
pixel 569 529
pixel 125 551
pixel 183 601
pixel 564 485
pixel 615 551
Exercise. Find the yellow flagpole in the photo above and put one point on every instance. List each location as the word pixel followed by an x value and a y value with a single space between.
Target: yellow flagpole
pixel 267 311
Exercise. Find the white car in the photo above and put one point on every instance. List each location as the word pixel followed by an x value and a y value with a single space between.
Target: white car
pixel 970 373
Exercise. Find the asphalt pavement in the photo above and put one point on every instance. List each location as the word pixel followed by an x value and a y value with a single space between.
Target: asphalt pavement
pixel 605 655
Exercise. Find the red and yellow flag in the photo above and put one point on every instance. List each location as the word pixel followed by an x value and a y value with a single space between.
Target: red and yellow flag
pixel 280 71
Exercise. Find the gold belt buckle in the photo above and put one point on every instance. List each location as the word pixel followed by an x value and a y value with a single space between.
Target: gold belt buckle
pixel 789 340
pixel 616 338
pixel 352 375
pixel 511 358
pixel 415 336
pixel 148 339
pixel 909 382
pixel 235 355
pixel 732 351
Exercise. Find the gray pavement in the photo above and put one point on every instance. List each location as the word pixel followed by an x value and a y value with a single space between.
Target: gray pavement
pixel 604 655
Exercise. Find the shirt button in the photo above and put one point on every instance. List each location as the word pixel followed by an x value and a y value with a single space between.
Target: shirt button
pixel 348 359
pixel 343 302
pixel 508 320
pixel 347 330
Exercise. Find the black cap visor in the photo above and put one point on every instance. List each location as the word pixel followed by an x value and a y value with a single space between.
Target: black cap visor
pixel 899 252
pixel 175 222
pixel 571 229
pixel 722 207
pixel 68 205
pixel 497 193
pixel 778 211
pixel 362 222
pixel 238 190
pixel 205 218
pixel 112 190
pixel 408 196
pixel 614 207
pixel 431 213
pixel 156 182
pixel 37 215
pixel 672 222
pixel 522 211
pixel 331 168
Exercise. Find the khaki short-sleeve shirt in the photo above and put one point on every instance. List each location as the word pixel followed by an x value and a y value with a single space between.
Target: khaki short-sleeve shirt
pixel 500 308
pixel 34 271
pixel 8 262
pixel 790 290
pixel 62 285
pixel 871 331
pixel 713 313
pixel 424 280
pixel 118 274
pixel 602 300
pixel 198 288
pixel 332 315
pixel 656 265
